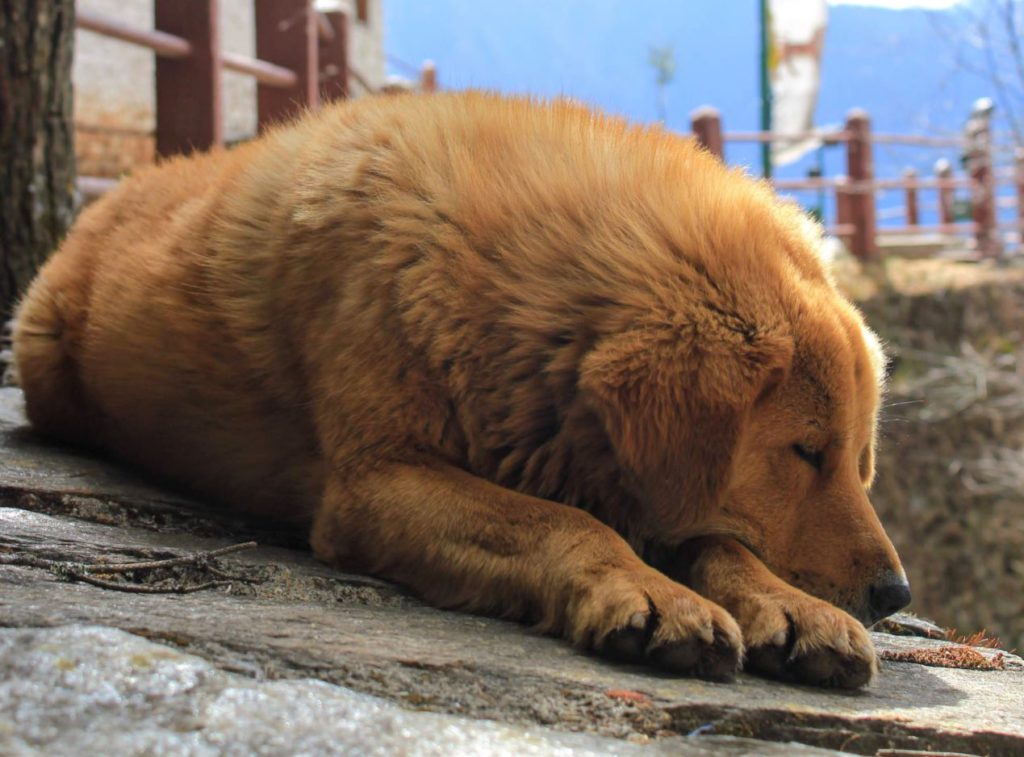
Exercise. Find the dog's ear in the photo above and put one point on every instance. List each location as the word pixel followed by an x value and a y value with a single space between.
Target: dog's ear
pixel 672 397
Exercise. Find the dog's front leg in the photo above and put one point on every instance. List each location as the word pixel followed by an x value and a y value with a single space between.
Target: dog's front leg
pixel 788 633
pixel 462 542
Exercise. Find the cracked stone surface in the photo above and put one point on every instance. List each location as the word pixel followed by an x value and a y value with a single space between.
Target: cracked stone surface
pixel 304 652
pixel 88 690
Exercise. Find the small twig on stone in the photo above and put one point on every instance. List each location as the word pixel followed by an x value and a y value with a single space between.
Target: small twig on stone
pixel 145 588
pixel 193 559
pixel 78 571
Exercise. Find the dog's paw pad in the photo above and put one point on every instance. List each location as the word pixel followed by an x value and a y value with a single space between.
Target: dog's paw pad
pixel 629 642
pixel 678 656
pixel 820 645
pixel 681 633
pixel 827 667
pixel 717 661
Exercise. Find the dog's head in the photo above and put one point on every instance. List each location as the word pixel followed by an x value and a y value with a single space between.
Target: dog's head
pixel 802 465
pixel 756 420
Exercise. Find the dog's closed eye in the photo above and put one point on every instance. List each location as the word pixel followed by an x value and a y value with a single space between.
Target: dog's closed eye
pixel 815 458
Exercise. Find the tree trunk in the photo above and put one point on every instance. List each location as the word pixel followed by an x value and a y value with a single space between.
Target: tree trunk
pixel 37 155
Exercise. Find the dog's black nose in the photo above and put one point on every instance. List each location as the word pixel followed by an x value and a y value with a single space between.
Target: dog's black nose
pixel 887 595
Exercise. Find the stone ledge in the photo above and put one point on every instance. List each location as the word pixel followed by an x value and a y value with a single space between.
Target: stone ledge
pixel 86 689
pixel 302 621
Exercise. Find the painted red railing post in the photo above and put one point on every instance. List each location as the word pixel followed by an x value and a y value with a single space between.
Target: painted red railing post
pixel 843 205
pixel 188 89
pixel 910 197
pixel 334 58
pixel 706 123
pixel 944 173
pixel 860 167
pixel 428 76
pixel 983 189
pixel 1018 166
pixel 286 34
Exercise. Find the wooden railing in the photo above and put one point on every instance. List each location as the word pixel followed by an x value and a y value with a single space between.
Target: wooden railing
pixel 855 192
pixel 302 60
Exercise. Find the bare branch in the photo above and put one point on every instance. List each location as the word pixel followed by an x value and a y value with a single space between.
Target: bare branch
pixel 170 562
pixel 985 39
pixel 87 572
pixel 1013 39
pixel 145 588
pixel 995 77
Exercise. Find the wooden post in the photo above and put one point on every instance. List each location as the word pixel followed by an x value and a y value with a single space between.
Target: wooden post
pixel 843 204
pixel 706 123
pixel 944 171
pixel 286 34
pixel 428 76
pixel 1018 162
pixel 983 189
pixel 334 58
pixel 188 90
pixel 860 167
pixel 910 194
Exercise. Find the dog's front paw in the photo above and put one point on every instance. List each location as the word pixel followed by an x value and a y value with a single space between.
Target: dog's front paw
pixel 640 615
pixel 796 637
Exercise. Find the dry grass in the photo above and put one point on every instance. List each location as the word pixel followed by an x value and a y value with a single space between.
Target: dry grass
pixel 948 657
pixel 979 639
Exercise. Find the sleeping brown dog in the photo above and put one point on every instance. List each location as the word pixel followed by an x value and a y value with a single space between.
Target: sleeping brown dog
pixel 522 358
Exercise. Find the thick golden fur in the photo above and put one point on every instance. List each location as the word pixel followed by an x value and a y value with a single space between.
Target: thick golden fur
pixel 494 350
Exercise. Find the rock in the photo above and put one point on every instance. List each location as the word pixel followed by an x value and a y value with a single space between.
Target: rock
pixel 296 634
pixel 90 690
pixel 907 624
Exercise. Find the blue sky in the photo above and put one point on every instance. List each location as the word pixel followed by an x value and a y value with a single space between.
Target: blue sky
pixel 900 4
pixel 886 59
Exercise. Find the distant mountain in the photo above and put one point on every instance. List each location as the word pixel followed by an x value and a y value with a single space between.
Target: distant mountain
pixel 892 63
